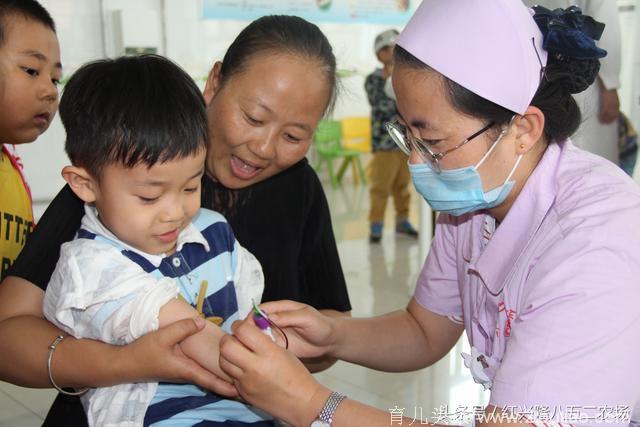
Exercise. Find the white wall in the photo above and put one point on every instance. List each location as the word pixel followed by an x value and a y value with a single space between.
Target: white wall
pixel 630 81
pixel 174 26
pixel 78 24
pixel 197 44
pixel 630 75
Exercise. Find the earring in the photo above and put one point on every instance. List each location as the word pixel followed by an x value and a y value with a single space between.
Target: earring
pixel 522 146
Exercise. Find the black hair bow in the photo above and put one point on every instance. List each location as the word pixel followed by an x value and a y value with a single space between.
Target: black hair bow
pixel 570 33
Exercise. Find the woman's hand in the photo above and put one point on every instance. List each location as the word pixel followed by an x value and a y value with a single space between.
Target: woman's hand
pixel 157 356
pixel 270 377
pixel 310 333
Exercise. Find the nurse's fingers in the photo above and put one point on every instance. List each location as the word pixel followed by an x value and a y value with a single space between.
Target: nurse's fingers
pixel 302 318
pixel 230 369
pixel 233 357
pixel 254 339
pixel 274 307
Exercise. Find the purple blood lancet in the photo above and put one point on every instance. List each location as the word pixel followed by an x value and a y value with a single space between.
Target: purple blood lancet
pixel 260 321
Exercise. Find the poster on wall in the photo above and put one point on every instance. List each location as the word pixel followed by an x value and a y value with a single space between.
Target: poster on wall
pixel 391 12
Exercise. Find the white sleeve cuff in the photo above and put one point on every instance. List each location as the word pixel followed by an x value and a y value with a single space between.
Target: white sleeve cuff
pixel 248 280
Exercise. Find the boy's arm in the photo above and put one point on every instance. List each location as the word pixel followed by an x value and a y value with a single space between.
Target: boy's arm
pixel 203 347
pixel 95 292
pixel 84 362
pixel 80 363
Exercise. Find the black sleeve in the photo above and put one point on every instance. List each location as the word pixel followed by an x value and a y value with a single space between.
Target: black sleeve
pixel 374 86
pixel 58 225
pixel 285 222
pixel 321 274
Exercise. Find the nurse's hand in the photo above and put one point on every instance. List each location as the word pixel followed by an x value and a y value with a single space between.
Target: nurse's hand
pixel 310 333
pixel 270 377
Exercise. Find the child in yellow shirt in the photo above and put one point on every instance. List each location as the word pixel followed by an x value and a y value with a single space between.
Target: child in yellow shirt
pixel 30 71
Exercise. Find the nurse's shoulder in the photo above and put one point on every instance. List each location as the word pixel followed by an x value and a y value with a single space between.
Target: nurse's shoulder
pixel 594 195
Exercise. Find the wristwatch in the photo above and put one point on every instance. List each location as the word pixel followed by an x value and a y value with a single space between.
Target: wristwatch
pixel 326 414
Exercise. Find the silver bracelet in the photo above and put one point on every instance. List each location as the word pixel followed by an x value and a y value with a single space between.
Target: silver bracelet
pixel 52 348
pixel 334 400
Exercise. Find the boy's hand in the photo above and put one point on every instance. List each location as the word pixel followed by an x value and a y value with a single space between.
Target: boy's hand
pixel 157 356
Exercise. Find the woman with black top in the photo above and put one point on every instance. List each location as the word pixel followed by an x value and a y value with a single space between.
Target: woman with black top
pixel 264 99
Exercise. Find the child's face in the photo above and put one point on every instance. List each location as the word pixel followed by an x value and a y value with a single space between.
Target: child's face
pixel 29 73
pixel 147 207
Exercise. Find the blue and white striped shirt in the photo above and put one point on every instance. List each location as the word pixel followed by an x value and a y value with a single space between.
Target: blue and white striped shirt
pixel 104 289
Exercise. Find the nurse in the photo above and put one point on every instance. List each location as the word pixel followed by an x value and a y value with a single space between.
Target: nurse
pixel 536 254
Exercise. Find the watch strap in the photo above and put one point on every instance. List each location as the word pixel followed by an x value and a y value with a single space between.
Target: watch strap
pixel 330 406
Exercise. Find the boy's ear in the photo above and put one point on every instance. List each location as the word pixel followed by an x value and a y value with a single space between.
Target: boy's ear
pixel 212 85
pixel 529 129
pixel 81 182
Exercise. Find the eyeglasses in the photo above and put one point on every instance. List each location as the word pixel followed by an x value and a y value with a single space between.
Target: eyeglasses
pixel 406 141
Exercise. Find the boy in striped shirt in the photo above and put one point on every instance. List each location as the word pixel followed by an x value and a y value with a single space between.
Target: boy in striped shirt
pixel 146 254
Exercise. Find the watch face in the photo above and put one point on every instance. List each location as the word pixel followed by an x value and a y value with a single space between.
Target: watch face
pixel 320 423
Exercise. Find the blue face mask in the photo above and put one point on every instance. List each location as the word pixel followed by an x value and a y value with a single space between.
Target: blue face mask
pixel 459 191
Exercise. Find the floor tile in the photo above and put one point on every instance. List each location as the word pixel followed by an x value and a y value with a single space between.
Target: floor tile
pixel 37 401
pixel 13 411
pixel 23 420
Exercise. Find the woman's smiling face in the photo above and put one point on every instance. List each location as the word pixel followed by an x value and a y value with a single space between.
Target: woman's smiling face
pixel 262 119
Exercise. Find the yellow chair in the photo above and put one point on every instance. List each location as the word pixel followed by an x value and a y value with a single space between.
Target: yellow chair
pixel 356 133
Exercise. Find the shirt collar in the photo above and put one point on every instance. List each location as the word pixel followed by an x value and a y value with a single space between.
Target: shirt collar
pixel 92 223
pixel 501 255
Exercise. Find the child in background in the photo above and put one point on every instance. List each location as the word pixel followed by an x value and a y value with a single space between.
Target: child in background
pixel 30 71
pixel 389 170
pixel 136 136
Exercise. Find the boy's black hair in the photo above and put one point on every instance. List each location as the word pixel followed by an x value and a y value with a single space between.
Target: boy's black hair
pixel 131 110
pixel 29 9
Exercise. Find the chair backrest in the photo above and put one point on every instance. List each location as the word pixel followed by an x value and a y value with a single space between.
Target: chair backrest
pixel 327 136
pixel 356 133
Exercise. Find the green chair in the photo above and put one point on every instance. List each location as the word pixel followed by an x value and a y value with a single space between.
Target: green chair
pixel 328 144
